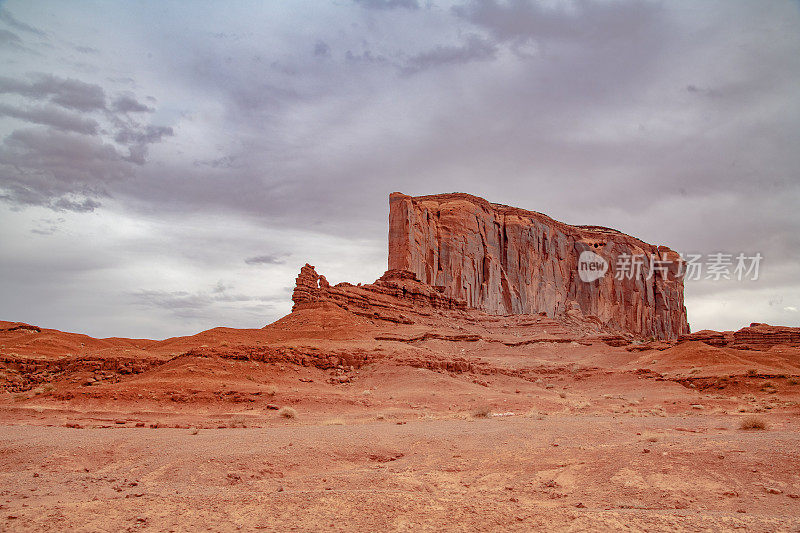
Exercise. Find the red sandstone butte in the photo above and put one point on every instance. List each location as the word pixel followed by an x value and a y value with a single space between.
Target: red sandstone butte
pixel 504 260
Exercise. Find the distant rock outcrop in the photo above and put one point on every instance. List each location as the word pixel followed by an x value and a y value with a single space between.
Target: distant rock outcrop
pixel 504 260
pixel 763 337
pixel 756 336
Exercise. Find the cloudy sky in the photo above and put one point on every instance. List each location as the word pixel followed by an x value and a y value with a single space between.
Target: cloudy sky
pixel 167 167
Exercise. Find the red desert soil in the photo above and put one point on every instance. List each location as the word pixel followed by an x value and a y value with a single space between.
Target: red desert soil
pixel 458 421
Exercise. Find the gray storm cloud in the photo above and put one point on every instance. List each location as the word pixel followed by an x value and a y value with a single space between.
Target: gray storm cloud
pixel 676 122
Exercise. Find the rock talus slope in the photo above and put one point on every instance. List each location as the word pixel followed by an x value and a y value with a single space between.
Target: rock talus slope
pixel 505 260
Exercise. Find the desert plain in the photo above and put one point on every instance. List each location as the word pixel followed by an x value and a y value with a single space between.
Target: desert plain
pixel 313 424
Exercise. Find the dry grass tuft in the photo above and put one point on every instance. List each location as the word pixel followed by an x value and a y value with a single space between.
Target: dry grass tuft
pixel 238 422
pixel 753 422
pixel 287 412
pixel 483 412
pixel 651 437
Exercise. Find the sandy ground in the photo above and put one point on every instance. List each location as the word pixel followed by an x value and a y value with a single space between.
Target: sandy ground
pixel 554 472
pixel 442 433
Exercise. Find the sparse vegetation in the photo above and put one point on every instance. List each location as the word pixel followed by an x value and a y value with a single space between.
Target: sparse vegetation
pixel 753 423
pixel 793 381
pixel 483 412
pixel 287 412
pixel 238 422
pixel 752 372
pixel 769 387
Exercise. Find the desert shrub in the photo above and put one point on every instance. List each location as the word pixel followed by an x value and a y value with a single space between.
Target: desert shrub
pixel 753 422
pixel 483 412
pixel 752 372
pixel 287 412
pixel 238 422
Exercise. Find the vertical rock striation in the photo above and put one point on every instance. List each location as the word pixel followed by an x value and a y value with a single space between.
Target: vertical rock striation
pixel 505 260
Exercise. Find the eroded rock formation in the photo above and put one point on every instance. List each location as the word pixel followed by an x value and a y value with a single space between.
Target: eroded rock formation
pixel 392 297
pixel 457 251
pixel 763 336
pixel 756 336
pixel 505 260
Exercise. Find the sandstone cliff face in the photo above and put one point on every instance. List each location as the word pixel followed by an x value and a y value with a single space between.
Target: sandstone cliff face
pixel 505 260
pixel 399 297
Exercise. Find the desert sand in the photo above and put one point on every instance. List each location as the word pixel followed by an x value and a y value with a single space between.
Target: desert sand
pixel 453 430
